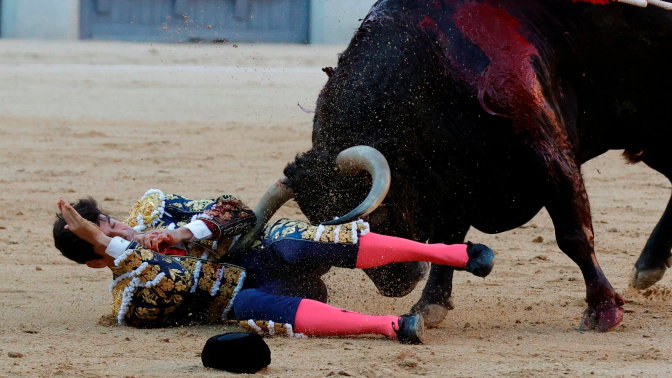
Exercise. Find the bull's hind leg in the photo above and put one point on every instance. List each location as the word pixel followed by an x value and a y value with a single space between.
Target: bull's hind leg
pixel 570 211
pixel 656 256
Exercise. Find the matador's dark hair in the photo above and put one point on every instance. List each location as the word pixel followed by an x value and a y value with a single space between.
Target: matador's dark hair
pixel 70 245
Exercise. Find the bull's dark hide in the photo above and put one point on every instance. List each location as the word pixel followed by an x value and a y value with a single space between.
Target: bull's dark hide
pixel 485 111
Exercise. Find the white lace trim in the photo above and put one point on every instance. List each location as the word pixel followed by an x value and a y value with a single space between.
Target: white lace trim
pixel 353 229
pixel 643 3
pixel 133 286
pixel 218 282
pixel 239 287
pixel 126 299
pixel 318 232
pixel 197 272
pixel 255 327
pixel 337 231
pixel 637 3
pixel 366 228
pixel 134 273
pixel 200 216
pixel 118 279
pixel 290 332
pixel 661 4
pixel 271 328
pixel 122 257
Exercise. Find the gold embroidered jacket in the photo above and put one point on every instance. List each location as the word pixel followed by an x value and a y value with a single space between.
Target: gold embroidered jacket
pixel 150 289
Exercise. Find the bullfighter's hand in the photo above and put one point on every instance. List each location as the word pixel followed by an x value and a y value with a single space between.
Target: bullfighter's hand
pixel 84 229
pixel 160 240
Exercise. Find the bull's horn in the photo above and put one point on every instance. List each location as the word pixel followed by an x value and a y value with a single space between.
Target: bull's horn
pixel 352 161
pixel 272 200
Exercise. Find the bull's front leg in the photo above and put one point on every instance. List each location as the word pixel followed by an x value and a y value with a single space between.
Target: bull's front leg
pixel 436 299
pixel 570 211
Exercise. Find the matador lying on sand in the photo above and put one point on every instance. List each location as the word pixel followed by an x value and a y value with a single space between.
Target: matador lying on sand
pixel 170 265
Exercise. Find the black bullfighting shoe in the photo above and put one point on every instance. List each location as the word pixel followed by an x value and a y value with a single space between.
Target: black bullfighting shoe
pixel 411 329
pixel 481 259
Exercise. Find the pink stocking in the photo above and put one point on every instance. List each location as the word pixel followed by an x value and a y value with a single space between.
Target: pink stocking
pixel 376 250
pixel 315 318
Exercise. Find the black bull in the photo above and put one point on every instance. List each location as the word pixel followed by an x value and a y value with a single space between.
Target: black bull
pixel 485 112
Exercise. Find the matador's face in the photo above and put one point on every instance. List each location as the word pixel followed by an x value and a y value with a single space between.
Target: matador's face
pixel 112 227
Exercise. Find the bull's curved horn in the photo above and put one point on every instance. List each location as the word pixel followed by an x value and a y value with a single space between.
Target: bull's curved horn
pixel 270 202
pixel 352 161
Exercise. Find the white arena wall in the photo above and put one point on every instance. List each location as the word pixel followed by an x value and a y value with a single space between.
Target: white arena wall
pixel 331 21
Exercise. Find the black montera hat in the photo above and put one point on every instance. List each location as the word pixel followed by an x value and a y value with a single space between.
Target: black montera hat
pixel 237 352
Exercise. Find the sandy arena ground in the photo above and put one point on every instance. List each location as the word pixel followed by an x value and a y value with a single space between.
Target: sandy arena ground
pixel 113 120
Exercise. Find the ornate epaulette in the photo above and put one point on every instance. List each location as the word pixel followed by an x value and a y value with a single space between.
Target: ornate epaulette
pixel 147 211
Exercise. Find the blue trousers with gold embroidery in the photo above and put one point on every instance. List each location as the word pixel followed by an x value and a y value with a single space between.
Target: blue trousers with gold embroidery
pixel 281 272
pixel 294 267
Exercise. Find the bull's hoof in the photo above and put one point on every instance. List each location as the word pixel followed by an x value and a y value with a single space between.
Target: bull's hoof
pixel 604 316
pixel 643 279
pixel 433 313
pixel 648 270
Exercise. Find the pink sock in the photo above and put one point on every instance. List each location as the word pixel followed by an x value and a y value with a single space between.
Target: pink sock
pixel 376 250
pixel 315 318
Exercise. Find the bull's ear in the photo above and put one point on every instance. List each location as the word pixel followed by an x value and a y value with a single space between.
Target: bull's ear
pixel 305 165
pixel 290 169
